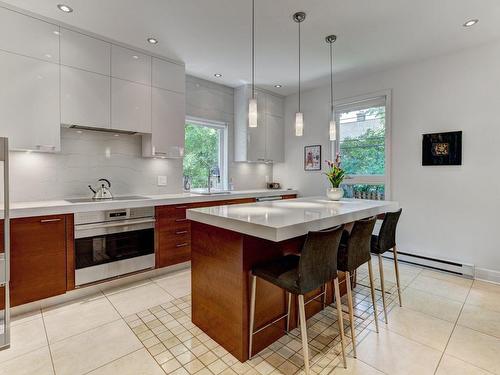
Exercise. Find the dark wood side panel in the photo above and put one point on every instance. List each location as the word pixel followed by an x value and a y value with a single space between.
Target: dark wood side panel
pixel 289 196
pixel 70 252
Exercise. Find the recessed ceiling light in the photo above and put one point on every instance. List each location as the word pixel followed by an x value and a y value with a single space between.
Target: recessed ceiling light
pixel 152 40
pixel 65 8
pixel 218 75
pixel 56 32
pixel 278 86
pixel 135 57
pixel 470 23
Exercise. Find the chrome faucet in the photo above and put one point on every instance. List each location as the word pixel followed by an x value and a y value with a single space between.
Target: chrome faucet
pixel 212 172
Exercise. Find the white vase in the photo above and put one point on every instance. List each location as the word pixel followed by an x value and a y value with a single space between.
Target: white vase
pixel 334 194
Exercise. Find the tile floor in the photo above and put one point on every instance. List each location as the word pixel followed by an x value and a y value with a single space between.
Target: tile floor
pixel 448 325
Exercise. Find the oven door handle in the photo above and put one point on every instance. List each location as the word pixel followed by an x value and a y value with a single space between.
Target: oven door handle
pixel 122 223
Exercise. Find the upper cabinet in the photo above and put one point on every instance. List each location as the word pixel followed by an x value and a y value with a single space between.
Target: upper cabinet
pixel 168 76
pixel 130 65
pixel 130 106
pixel 265 143
pixel 84 52
pixel 28 36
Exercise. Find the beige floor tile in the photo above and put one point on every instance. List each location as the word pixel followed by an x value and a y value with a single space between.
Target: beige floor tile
pixel 123 286
pixel 135 300
pixel 482 320
pixel 420 327
pixel 136 363
pixel 394 354
pixel 453 366
pixel 441 288
pixel 89 350
pixel 36 362
pixel 356 367
pixel 475 348
pixel 20 315
pixel 486 295
pixel 25 337
pixel 178 284
pixel 460 280
pixel 430 304
pixel 68 320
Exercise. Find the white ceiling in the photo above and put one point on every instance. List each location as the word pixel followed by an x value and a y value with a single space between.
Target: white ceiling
pixel 213 36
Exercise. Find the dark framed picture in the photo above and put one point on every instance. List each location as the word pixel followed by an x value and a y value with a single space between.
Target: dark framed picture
pixel 442 148
pixel 312 158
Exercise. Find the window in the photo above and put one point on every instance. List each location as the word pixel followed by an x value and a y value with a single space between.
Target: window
pixel 205 152
pixel 363 133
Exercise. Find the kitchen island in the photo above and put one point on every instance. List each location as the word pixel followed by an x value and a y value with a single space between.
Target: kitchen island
pixel 227 241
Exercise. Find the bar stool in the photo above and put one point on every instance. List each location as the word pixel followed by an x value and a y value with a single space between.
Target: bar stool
pixel 384 241
pixel 354 251
pixel 298 275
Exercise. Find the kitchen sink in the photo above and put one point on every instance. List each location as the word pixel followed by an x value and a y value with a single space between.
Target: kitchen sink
pixel 91 200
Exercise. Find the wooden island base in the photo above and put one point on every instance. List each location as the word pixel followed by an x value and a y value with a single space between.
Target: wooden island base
pixel 221 261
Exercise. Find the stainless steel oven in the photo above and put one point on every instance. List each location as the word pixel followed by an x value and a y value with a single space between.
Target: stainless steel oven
pixel 113 243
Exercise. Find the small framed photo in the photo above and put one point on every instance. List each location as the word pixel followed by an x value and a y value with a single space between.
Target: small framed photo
pixel 312 158
pixel 442 148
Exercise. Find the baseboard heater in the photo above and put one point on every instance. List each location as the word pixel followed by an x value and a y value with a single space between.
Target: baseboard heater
pixel 456 268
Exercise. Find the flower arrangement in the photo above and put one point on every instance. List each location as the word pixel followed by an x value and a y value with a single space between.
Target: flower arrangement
pixel 335 174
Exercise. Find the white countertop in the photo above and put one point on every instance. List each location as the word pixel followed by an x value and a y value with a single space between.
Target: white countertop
pixel 57 207
pixel 281 220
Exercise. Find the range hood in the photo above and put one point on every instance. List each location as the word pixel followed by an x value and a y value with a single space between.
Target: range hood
pixel 105 130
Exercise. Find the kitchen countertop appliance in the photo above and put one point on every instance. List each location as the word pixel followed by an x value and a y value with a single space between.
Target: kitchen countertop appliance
pixel 113 243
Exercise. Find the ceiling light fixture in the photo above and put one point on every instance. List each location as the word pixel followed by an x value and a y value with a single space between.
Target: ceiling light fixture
pixel 278 86
pixel 152 40
pixel 252 104
pixel 332 130
pixel 65 8
pixel 299 17
pixel 218 75
pixel 470 23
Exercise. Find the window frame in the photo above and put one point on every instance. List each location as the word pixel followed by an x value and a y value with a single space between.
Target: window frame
pixel 335 145
pixel 223 143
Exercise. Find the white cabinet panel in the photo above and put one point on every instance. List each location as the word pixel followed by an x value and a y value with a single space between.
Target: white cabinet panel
pixel 275 105
pixel 130 106
pixel 85 98
pixel 84 52
pixel 29 103
pixel 28 36
pixel 168 122
pixel 168 76
pixel 130 65
pixel 275 138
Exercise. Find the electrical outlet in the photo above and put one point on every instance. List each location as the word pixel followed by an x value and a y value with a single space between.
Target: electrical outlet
pixel 162 180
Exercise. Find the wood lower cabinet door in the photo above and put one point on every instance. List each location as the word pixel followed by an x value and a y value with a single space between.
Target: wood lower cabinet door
pixel 38 258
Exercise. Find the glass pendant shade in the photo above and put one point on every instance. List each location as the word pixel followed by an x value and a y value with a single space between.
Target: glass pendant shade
pixel 252 113
pixel 333 130
pixel 299 124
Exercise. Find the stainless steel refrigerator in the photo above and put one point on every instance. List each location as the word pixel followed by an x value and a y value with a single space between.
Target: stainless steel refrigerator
pixel 5 250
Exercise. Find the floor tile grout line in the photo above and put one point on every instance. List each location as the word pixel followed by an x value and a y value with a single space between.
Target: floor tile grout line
pixel 48 346
pixel 472 364
pixel 452 332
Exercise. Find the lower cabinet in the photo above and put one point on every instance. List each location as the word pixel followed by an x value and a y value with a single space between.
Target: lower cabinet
pixel 38 258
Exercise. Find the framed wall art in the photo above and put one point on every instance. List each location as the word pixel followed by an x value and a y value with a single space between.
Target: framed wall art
pixel 442 148
pixel 312 158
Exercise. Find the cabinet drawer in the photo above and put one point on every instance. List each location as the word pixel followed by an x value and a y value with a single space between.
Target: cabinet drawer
pixel 174 249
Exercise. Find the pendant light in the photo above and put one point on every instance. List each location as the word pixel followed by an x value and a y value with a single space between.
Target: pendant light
pixel 252 104
pixel 330 39
pixel 299 17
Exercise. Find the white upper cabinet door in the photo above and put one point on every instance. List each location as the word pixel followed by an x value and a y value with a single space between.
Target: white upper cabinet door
pixel 275 138
pixel 130 106
pixel 169 76
pixel 130 65
pixel 85 98
pixel 275 105
pixel 28 36
pixel 84 52
pixel 168 125
pixel 29 103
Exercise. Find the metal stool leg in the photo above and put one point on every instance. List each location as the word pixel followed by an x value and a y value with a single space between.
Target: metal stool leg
pixel 351 312
pixel 395 251
pixel 288 312
pixel 303 333
pixel 252 315
pixel 382 284
pixel 340 318
pixel 372 289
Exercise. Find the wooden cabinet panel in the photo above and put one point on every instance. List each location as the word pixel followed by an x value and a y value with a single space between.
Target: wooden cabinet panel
pixel 38 258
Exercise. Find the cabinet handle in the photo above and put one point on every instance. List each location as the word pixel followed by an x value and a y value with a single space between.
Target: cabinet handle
pixel 182 244
pixel 180 220
pixel 181 232
pixel 43 221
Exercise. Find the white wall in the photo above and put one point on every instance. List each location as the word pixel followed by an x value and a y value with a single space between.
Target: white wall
pixel 91 155
pixel 448 212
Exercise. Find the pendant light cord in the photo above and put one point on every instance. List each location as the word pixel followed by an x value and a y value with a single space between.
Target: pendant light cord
pixel 253 49
pixel 299 66
pixel 331 78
